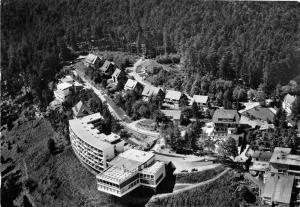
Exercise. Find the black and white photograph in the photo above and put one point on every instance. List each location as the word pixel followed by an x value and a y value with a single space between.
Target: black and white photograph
pixel 150 103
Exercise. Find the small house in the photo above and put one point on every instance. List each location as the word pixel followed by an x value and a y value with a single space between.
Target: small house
pixel 117 75
pixel 202 101
pixel 173 98
pixel 92 61
pixel 174 115
pixel 226 121
pixel 133 85
pixel 152 91
pixel 81 110
pixel 63 91
pixel 107 68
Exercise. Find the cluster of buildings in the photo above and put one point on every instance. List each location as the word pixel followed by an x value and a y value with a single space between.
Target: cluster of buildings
pixel 279 173
pixel 118 170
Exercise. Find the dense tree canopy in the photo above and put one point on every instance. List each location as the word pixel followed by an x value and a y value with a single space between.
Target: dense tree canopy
pixel 256 41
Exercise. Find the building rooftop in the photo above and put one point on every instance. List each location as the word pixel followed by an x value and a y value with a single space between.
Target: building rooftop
pixel 84 129
pixel 282 150
pixel 80 109
pixel 121 170
pixel 130 84
pixel 285 159
pixel 175 114
pixel 174 95
pixel 261 113
pixel 249 105
pixel 262 155
pixel 153 168
pixel 200 99
pixel 116 72
pixel 225 116
pixel 105 66
pixel 137 155
pixel 150 90
pixel 289 98
pixel 63 86
pixel 67 79
pixel 91 58
pixel 279 188
pixel 126 165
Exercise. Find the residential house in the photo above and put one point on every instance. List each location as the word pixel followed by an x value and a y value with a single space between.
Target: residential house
pixel 287 103
pixel 108 68
pixel 174 115
pixel 173 98
pixel 133 85
pixel 225 122
pixel 92 60
pixel 80 110
pixel 117 75
pixel 202 101
pixel 260 161
pixel 152 91
pixel 257 116
pixel 63 91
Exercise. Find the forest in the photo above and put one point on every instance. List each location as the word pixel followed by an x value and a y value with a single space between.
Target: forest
pixel 257 42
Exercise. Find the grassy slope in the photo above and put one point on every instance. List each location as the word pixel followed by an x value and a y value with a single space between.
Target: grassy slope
pixel 221 192
pixel 62 181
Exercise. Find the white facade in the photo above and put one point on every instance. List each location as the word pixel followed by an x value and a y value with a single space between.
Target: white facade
pixel 93 149
pixel 130 170
pixel 287 104
pixel 62 92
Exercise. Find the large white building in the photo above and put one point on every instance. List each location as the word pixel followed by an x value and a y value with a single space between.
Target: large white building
pixel 93 148
pixel 130 170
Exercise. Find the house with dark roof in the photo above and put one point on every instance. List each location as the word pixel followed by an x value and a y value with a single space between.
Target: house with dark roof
pixel 80 110
pixel 173 98
pixel 258 116
pixel 92 61
pixel 152 91
pixel 225 121
pixel 107 68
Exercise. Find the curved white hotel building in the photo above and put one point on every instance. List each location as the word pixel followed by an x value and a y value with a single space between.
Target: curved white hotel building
pixel 117 176
pixel 93 148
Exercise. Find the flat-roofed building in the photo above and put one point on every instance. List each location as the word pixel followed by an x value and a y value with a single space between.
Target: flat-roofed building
pixel 284 162
pixel 130 170
pixel 92 147
pixel 278 190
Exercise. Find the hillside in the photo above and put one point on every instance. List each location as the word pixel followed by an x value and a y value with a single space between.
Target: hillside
pixel 256 41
